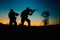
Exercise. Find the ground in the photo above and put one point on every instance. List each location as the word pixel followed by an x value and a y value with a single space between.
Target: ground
pixel 19 28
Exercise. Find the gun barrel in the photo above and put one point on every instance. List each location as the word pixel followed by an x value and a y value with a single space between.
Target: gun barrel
pixel 36 9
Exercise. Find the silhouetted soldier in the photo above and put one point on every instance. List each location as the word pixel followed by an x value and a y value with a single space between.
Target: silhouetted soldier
pixel 12 16
pixel 24 15
pixel 46 17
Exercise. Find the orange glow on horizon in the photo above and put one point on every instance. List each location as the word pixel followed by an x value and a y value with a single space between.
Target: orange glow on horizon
pixel 32 24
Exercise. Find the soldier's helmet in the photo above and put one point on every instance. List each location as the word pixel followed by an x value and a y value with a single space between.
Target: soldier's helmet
pixel 11 9
pixel 27 8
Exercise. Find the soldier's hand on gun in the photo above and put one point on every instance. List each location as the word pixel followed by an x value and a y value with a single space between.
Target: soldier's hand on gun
pixel 17 14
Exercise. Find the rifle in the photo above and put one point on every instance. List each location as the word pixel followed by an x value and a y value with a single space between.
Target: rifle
pixel 32 11
pixel 16 14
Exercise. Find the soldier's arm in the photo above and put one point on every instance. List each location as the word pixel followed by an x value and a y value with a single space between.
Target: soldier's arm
pixel 31 12
pixel 16 14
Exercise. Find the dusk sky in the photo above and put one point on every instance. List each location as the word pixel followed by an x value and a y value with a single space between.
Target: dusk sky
pixel 53 6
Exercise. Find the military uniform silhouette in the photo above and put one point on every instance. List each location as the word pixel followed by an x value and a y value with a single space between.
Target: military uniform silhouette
pixel 24 15
pixel 46 17
pixel 12 16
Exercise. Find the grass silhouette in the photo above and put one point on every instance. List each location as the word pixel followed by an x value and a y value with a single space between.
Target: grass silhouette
pixel 19 28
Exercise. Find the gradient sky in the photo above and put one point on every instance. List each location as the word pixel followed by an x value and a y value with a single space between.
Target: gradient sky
pixel 53 6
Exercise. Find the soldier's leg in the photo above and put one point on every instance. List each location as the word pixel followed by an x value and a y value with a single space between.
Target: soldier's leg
pixel 10 22
pixel 45 22
pixel 15 23
pixel 28 22
pixel 22 21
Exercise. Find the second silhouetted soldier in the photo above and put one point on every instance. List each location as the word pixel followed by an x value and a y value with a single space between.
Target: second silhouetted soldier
pixel 46 17
pixel 12 16
pixel 24 15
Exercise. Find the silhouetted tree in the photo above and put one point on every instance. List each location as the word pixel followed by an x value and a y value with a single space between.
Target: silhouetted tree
pixel 12 16
pixel 46 15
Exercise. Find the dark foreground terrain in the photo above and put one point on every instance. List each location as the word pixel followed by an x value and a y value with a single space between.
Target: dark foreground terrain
pixel 9 28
